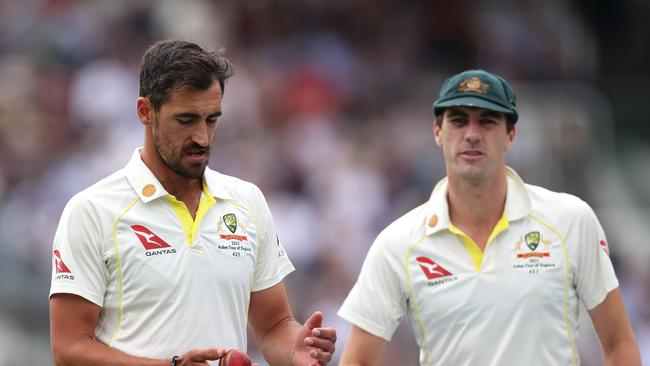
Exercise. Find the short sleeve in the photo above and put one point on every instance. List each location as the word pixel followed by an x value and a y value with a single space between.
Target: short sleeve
pixel 594 275
pixel 377 302
pixel 272 263
pixel 77 261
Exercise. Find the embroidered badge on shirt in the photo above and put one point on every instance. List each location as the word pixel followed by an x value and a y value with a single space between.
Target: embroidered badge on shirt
pixel 231 222
pixel 528 257
pixel 233 241
pixel 151 242
pixel 62 271
pixel 603 244
pixel 435 273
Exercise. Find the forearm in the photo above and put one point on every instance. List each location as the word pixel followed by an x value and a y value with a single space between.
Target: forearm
pixel 278 344
pixel 624 353
pixel 91 352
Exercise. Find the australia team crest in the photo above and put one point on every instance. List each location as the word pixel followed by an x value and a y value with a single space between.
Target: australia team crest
pixel 231 222
pixel 533 252
pixel 532 240
pixel 233 235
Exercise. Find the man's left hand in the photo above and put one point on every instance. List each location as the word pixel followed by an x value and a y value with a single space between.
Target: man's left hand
pixel 315 344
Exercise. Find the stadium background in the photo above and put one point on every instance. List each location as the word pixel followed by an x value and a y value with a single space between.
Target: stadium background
pixel 329 113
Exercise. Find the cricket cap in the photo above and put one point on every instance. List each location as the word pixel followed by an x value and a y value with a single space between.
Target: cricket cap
pixel 477 88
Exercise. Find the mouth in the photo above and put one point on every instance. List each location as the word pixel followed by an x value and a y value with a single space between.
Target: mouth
pixel 197 154
pixel 472 154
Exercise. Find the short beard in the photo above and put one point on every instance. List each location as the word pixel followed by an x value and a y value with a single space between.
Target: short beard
pixel 176 166
pixel 179 169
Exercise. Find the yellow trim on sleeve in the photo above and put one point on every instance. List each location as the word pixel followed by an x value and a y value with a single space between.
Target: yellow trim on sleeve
pixel 425 344
pixel 475 252
pixel 191 226
pixel 119 267
pixel 572 345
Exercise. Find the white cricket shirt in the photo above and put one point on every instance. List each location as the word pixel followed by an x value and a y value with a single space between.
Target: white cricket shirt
pixel 167 283
pixel 516 303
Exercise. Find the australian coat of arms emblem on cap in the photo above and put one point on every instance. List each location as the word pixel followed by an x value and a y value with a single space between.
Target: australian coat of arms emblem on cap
pixel 473 84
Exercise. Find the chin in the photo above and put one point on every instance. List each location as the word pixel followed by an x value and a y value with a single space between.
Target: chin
pixel 472 173
pixel 191 172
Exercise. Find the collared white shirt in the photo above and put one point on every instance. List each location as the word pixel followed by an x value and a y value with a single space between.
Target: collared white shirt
pixel 516 303
pixel 167 283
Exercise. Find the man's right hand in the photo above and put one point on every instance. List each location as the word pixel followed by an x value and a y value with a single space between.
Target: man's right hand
pixel 72 324
pixel 200 356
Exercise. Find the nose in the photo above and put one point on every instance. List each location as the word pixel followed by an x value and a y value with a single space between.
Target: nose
pixel 201 134
pixel 473 131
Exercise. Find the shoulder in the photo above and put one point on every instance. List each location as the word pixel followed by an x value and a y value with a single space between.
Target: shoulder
pixel 408 229
pixel 560 207
pixel 108 194
pixel 233 188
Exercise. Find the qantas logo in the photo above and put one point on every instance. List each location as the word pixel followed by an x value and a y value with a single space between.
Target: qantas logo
pixel 58 262
pixel 62 271
pixel 152 242
pixel 432 269
pixel 603 244
pixel 148 239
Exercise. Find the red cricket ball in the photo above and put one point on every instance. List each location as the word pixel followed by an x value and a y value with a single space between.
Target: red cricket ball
pixel 235 358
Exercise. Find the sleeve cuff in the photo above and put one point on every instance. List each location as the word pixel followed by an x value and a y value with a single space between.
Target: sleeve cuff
pixel 365 324
pixel 600 296
pixel 283 271
pixel 92 297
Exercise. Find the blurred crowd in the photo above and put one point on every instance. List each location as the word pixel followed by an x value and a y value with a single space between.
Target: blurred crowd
pixel 329 112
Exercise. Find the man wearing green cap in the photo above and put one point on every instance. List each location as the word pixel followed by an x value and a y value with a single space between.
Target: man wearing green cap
pixel 489 271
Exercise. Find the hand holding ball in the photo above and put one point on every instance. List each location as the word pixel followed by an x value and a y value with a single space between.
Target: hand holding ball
pixel 235 358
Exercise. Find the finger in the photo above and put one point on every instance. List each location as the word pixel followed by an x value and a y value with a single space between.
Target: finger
pixel 203 354
pixel 325 333
pixel 322 344
pixel 321 357
pixel 314 321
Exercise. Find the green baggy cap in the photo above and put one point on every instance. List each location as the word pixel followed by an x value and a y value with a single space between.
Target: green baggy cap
pixel 477 88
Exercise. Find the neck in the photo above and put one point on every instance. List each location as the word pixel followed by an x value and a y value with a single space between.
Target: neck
pixel 477 206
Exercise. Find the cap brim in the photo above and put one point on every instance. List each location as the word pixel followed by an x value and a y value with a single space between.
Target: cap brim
pixel 469 101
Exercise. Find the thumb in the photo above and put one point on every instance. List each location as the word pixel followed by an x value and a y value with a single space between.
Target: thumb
pixel 314 321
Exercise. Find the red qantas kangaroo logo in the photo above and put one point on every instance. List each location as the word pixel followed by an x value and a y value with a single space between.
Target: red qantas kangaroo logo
pixel 432 269
pixel 148 239
pixel 603 244
pixel 58 262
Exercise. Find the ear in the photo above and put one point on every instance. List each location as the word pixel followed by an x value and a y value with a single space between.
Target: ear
pixel 436 133
pixel 145 110
pixel 510 138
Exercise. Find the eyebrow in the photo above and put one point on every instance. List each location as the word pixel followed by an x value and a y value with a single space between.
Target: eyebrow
pixel 489 113
pixel 195 115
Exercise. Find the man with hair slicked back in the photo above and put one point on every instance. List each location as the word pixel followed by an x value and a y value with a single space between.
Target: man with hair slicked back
pixel 166 262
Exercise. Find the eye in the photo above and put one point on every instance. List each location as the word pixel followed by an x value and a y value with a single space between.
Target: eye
pixel 214 119
pixel 184 120
pixel 458 121
pixel 488 121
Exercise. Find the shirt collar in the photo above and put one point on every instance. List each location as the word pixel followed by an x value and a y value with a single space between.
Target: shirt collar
pixel 142 179
pixel 148 187
pixel 518 203
pixel 216 183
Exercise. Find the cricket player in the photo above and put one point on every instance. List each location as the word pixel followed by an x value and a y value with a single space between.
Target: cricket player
pixel 166 262
pixel 489 271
